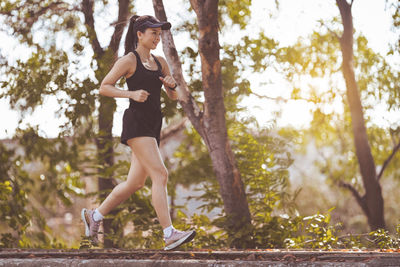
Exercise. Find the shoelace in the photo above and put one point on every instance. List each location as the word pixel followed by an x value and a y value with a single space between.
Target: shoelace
pixel 96 225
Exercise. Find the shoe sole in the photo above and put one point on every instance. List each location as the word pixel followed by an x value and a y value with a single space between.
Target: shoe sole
pixel 87 231
pixel 181 241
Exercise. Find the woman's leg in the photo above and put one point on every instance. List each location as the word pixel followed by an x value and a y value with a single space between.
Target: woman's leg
pixel 136 179
pixel 148 154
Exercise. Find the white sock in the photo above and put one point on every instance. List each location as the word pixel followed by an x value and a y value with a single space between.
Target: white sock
pixel 168 231
pixel 97 216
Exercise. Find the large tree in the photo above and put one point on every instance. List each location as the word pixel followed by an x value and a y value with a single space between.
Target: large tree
pixel 372 201
pixel 325 54
pixel 210 122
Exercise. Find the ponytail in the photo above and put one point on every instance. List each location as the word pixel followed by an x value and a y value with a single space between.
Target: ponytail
pixel 131 36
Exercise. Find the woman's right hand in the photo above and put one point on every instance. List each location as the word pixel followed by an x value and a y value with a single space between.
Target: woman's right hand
pixel 139 95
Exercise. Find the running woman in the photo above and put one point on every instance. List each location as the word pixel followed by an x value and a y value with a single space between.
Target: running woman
pixel 145 74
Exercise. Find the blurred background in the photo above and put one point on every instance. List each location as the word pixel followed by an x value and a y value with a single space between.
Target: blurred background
pixel 289 123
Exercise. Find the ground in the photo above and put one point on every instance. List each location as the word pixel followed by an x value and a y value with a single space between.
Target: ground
pixel 243 258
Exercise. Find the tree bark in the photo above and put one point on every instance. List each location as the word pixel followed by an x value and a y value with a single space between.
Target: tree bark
pixel 105 156
pixel 211 123
pixel 373 194
pixel 104 140
pixel 186 100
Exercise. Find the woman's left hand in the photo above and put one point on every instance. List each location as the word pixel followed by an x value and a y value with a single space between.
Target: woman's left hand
pixel 168 81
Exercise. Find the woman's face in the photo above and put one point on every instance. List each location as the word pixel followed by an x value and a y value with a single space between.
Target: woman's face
pixel 150 38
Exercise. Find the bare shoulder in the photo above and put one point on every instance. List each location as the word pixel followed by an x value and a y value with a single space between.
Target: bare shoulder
pixel 128 63
pixel 128 59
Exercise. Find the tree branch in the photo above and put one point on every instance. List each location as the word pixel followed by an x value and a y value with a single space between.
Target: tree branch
pixel 360 199
pixel 186 100
pixel 279 98
pixel 387 161
pixel 34 15
pixel 123 12
pixel 30 6
pixel 87 9
pixel 195 5
pixel 347 20
pixel 172 130
pixel 270 98
pixel 331 31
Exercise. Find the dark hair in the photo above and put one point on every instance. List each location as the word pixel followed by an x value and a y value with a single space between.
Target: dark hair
pixel 141 23
pixel 131 35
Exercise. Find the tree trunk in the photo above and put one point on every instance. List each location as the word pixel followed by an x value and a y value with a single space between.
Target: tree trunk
pixel 372 202
pixel 211 123
pixel 231 186
pixel 104 140
pixel 105 157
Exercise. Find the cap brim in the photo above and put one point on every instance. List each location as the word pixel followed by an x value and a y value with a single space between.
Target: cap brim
pixel 162 25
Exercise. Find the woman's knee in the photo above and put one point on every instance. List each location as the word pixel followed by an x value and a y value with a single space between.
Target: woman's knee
pixel 159 175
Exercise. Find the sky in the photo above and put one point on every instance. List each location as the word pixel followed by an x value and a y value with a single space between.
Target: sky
pixel 293 20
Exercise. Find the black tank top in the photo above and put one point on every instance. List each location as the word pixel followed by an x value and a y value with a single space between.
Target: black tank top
pixel 149 81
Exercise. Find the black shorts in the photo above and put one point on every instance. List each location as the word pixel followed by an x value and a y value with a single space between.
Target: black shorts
pixel 137 123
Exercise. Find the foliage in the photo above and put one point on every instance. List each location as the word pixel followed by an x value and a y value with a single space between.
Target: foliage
pixel 262 161
pixel 54 70
pixel 22 224
pixel 238 12
pixel 395 9
pixel 30 193
pixel 319 57
pixel 262 155
pixel 294 232
pixel 331 128
pixel 315 232
pixel 13 199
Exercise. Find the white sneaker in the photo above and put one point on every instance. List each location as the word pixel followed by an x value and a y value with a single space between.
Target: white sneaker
pixel 178 238
pixel 91 226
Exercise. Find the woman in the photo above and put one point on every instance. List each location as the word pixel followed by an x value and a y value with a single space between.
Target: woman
pixel 145 74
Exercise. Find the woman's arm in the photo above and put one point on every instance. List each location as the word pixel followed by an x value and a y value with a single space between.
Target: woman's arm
pixel 167 80
pixel 125 66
